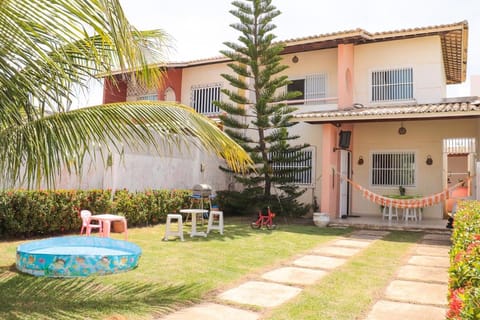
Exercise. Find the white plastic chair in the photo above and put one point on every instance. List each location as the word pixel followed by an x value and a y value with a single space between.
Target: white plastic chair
pixel 87 226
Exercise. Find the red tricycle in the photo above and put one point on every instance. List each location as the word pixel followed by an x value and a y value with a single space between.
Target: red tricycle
pixel 264 220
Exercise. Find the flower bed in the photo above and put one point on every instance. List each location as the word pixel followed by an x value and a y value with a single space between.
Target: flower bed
pixel 464 273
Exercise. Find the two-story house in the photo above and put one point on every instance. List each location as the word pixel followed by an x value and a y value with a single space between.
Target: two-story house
pixel 373 109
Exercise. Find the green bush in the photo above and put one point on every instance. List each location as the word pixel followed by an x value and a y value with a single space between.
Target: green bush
pixel 248 203
pixel 30 213
pixel 464 273
pixel 149 207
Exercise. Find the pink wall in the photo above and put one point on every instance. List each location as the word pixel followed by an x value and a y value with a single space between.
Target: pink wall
pixel 345 75
pixel 173 79
pixel 114 91
pixel 331 161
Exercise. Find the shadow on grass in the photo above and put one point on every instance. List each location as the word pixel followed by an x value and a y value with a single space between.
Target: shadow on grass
pixel 28 297
pixel 239 227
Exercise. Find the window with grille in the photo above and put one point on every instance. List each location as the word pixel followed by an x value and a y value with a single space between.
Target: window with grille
pixel 202 98
pixel 296 164
pixel 393 169
pixel 148 97
pixel 313 89
pixel 392 85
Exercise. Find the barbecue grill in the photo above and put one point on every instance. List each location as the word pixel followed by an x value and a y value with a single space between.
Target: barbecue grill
pixel 202 190
pixel 201 194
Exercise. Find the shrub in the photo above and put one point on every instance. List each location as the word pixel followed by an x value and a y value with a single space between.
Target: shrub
pixel 28 213
pixel 249 203
pixel 464 273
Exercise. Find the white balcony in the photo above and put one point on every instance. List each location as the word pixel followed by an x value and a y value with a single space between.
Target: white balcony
pixel 312 105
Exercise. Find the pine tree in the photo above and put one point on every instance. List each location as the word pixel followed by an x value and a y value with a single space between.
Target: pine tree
pixel 256 115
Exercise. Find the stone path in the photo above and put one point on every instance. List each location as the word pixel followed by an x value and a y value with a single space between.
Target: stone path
pixel 419 290
pixel 282 284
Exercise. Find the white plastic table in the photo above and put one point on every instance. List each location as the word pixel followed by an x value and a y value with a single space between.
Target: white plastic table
pixel 194 213
pixel 106 220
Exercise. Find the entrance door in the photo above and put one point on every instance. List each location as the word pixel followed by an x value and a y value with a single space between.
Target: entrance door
pixel 459 164
pixel 345 187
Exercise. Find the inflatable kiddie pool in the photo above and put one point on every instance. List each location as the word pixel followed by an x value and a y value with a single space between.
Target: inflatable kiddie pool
pixel 77 256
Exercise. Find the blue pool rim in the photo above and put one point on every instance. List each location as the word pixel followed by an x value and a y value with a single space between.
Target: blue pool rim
pixel 124 257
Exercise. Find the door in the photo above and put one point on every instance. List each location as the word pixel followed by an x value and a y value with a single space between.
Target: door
pixel 345 187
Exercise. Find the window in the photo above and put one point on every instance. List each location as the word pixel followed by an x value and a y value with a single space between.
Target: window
pixel 148 97
pixel 313 88
pixel 392 85
pixel 298 163
pixel 202 98
pixel 393 168
pixel 169 95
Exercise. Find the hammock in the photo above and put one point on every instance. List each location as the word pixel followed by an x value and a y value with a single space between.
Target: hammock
pixel 422 202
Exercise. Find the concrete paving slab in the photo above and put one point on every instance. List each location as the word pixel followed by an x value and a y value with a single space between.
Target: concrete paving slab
pixel 391 310
pixel 417 292
pixel 438 236
pixel 430 261
pixel 322 262
pixel 337 251
pixel 379 233
pixel 351 243
pixel 423 273
pixel 212 311
pixel 259 293
pixel 446 243
pixel 365 236
pixel 428 250
pixel 294 275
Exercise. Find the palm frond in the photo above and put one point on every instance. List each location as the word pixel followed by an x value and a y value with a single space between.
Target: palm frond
pixel 39 148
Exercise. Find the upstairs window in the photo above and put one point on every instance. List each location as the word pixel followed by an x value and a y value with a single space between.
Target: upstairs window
pixel 392 85
pixel 202 98
pixel 393 169
pixel 313 89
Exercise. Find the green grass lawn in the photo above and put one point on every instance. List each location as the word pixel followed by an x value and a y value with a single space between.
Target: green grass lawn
pixel 170 274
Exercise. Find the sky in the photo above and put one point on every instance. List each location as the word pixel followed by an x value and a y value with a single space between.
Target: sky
pixel 198 28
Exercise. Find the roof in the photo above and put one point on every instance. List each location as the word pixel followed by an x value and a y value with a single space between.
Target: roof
pixel 449 108
pixel 454 42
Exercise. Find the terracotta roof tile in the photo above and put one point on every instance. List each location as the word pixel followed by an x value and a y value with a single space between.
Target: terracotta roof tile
pixel 461 108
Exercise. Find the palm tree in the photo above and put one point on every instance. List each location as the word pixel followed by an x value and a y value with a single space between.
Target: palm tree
pixel 49 47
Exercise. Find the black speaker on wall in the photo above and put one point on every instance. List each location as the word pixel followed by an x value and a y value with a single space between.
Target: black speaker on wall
pixel 344 141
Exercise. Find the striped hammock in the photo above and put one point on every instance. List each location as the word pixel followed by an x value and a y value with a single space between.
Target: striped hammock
pixel 422 202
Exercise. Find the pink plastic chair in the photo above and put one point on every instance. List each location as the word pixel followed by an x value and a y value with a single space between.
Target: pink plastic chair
pixel 87 226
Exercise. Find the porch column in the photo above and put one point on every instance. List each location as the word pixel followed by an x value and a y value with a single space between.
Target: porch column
pixel 330 180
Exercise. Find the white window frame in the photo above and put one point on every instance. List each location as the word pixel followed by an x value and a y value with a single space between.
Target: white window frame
pixel 305 178
pixel 148 97
pixel 398 87
pixel 208 93
pixel 311 96
pixel 396 163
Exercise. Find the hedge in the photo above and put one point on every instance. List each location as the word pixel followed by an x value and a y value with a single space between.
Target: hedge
pixel 32 213
pixel 464 273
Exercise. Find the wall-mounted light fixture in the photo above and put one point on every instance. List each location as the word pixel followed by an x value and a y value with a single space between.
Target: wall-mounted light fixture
pixel 429 160
pixel 402 130
pixel 295 59
pixel 360 161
